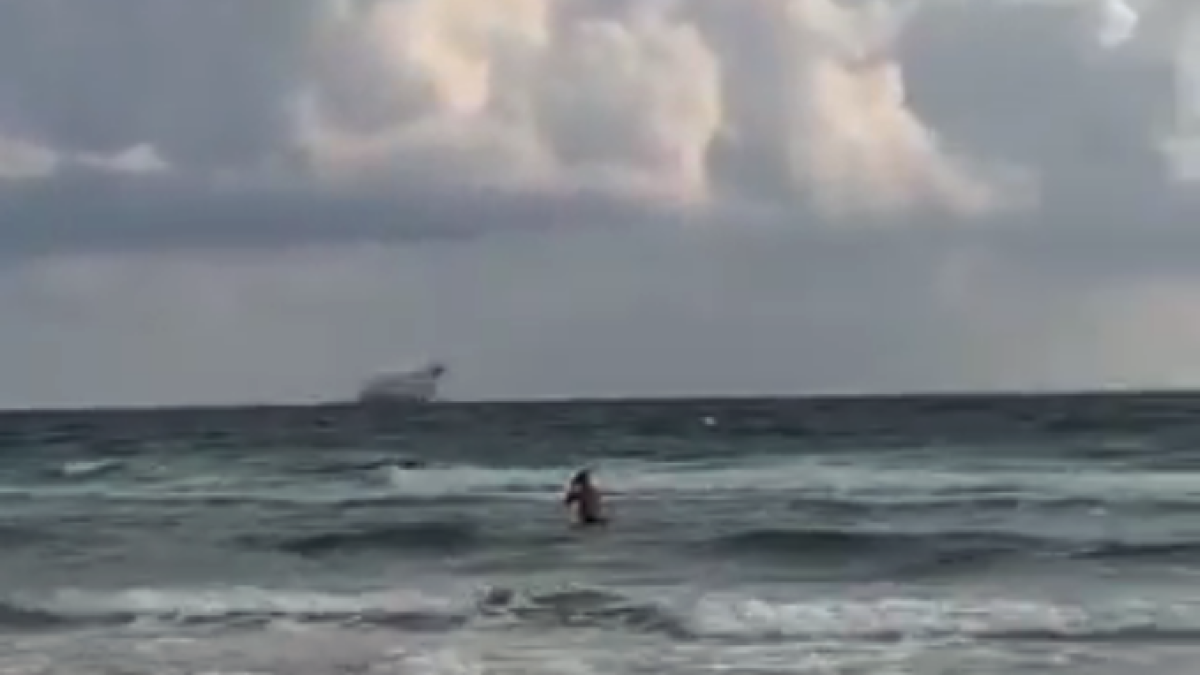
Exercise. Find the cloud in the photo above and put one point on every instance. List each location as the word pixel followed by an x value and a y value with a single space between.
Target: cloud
pixel 213 201
pixel 835 113
pixel 593 312
pixel 563 93
pixel 200 82
pixel 23 160
pixel 582 312
pixel 513 90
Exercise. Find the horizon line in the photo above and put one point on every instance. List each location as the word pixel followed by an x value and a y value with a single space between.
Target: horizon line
pixel 610 399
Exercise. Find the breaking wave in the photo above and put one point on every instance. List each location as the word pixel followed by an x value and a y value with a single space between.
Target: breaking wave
pixel 808 482
pixel 710 617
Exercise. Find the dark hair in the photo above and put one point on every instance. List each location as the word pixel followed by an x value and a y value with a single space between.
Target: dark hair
pixel 582 476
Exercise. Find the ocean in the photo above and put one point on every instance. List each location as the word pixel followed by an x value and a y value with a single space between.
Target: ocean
pixel 936 535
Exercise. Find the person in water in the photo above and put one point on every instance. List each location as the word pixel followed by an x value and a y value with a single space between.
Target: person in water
pixel 583 496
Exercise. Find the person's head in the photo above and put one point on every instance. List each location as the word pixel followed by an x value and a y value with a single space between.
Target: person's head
pixel 583 478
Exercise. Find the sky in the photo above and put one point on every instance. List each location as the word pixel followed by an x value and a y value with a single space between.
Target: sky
pixel 225 202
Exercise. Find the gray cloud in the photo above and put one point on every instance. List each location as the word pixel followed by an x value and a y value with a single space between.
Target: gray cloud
pixel 201 81
pixel 576 312
pixel 87 210
pixel 1039 92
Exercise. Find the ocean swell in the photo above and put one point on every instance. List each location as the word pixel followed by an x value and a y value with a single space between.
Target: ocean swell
pixel 427 536
pixel 917 553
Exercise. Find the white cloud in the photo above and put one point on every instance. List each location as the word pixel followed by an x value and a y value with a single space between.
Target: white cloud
pixel 22 159
pixel 560 92
pixel 1116 22
pixel 1182 146
pixel 139 159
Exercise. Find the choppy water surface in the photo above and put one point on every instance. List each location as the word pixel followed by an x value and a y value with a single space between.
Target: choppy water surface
pixel 980 535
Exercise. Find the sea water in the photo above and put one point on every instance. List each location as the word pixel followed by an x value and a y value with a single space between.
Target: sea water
pixel 979 535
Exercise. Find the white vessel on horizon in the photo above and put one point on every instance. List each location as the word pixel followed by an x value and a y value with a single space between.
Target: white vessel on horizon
pixel 413 386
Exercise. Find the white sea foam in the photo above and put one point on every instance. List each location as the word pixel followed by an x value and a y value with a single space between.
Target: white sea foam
pixel 709 614
pixel 823 634
pixel 184 603
pixel 806 477
pixel 906 617
pixel 810 478
pixel 84 468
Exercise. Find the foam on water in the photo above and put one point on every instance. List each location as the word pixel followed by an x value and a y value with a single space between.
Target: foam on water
pixel 775 635
pixel 85 468
pixel 220 602
pixel 803 477
pixel 731 614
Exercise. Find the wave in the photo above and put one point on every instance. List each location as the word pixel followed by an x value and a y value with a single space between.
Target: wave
pixel 429 536
pixel 853 506
pixel 817 545
pixel 432 537
pixel 808 482
pixel 14 536
pixel 846 505
pixel 323 467
pixel 818 480
pixel 412 611
pixel 87 468
pixel 909 554
pixel 345 496
pixel 901 554
pixel 1168 551
pixel 240 606
pixel 898 553
pixel 982 619
pixel 709 617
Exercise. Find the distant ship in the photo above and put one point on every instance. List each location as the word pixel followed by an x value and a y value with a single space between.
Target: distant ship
pixel 414 386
